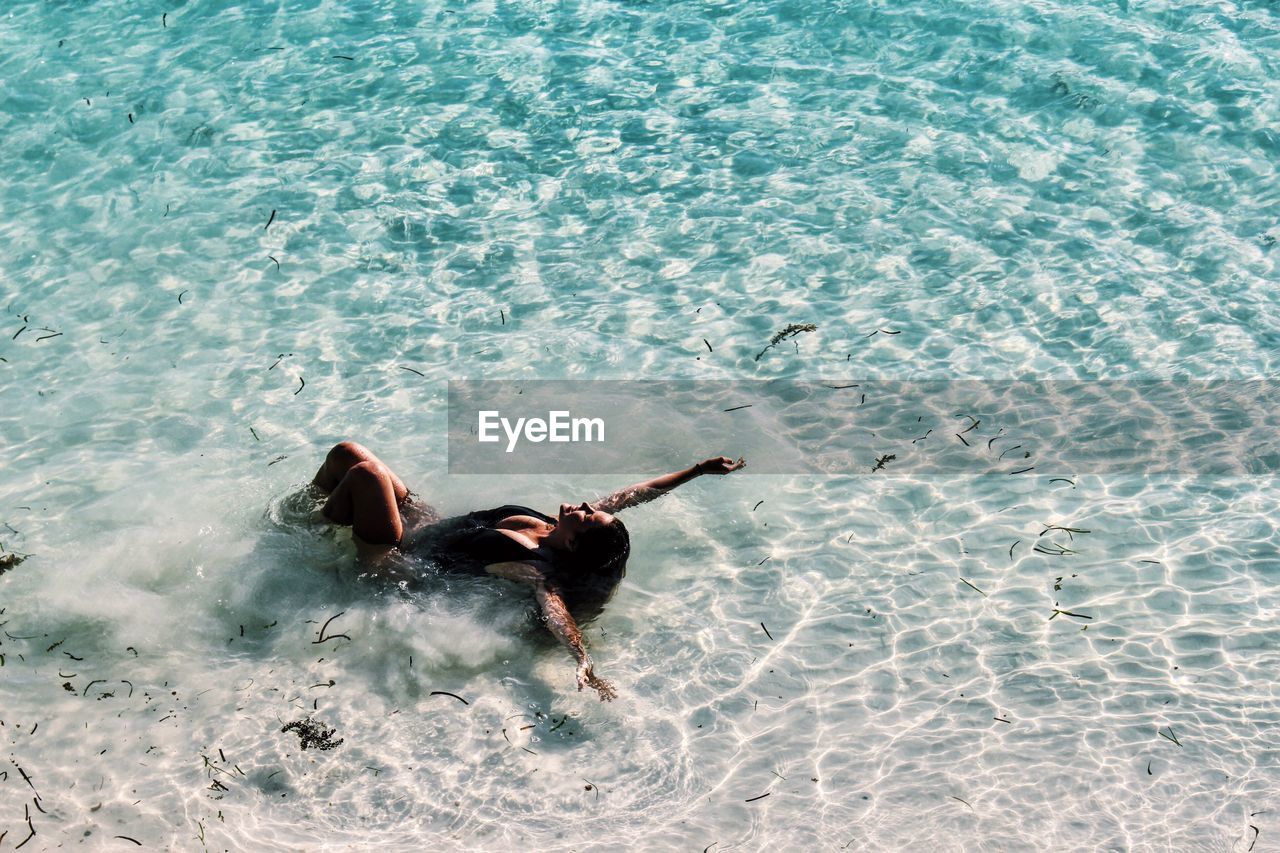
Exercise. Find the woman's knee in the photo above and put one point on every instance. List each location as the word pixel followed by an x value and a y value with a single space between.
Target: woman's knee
pixel 349 453
pixel 362 484
pixel 338 461
pixel 369 470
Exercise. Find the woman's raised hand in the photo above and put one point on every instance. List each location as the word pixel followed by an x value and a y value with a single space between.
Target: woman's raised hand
pixel 719 465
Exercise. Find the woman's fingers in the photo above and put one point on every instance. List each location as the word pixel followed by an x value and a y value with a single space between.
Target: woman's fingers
pixel 722 465
pixel 588 678
pixel 607 693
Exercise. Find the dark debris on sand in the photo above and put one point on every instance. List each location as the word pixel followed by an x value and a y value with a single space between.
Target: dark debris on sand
pixel 311 733
pixel 9 561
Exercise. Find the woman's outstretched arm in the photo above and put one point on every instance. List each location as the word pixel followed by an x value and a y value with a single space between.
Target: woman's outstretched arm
pixel 561 623
pixel 559 620
pixel 659 486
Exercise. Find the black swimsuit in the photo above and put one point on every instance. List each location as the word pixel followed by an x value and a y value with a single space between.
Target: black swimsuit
pixel 467 543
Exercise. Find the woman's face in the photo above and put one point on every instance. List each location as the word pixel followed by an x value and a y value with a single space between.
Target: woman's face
pixel 576 517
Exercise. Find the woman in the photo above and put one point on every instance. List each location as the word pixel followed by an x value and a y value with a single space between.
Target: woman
pixel 573 561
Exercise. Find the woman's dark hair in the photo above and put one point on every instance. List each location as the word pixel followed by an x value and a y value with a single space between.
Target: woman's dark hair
pixel 602 549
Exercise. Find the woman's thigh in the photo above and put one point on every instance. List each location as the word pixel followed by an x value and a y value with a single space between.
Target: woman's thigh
pixel 366 498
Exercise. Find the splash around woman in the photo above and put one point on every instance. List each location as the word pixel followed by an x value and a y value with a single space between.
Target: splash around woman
pixel 573 561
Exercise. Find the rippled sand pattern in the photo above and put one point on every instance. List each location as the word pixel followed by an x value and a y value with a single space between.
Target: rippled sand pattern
pixel 234 235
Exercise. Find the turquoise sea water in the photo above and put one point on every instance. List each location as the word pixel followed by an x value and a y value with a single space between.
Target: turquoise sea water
pixel 233 235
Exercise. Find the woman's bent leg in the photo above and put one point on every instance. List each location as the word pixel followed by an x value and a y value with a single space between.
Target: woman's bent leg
pixel 366 498
pixel 342 458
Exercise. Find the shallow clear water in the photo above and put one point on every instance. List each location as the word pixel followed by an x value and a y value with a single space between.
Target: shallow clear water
pixel 226 246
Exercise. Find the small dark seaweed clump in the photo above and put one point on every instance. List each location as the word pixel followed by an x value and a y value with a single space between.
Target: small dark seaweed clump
pixel 313 733
pixel 789 332
pixel 9 561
